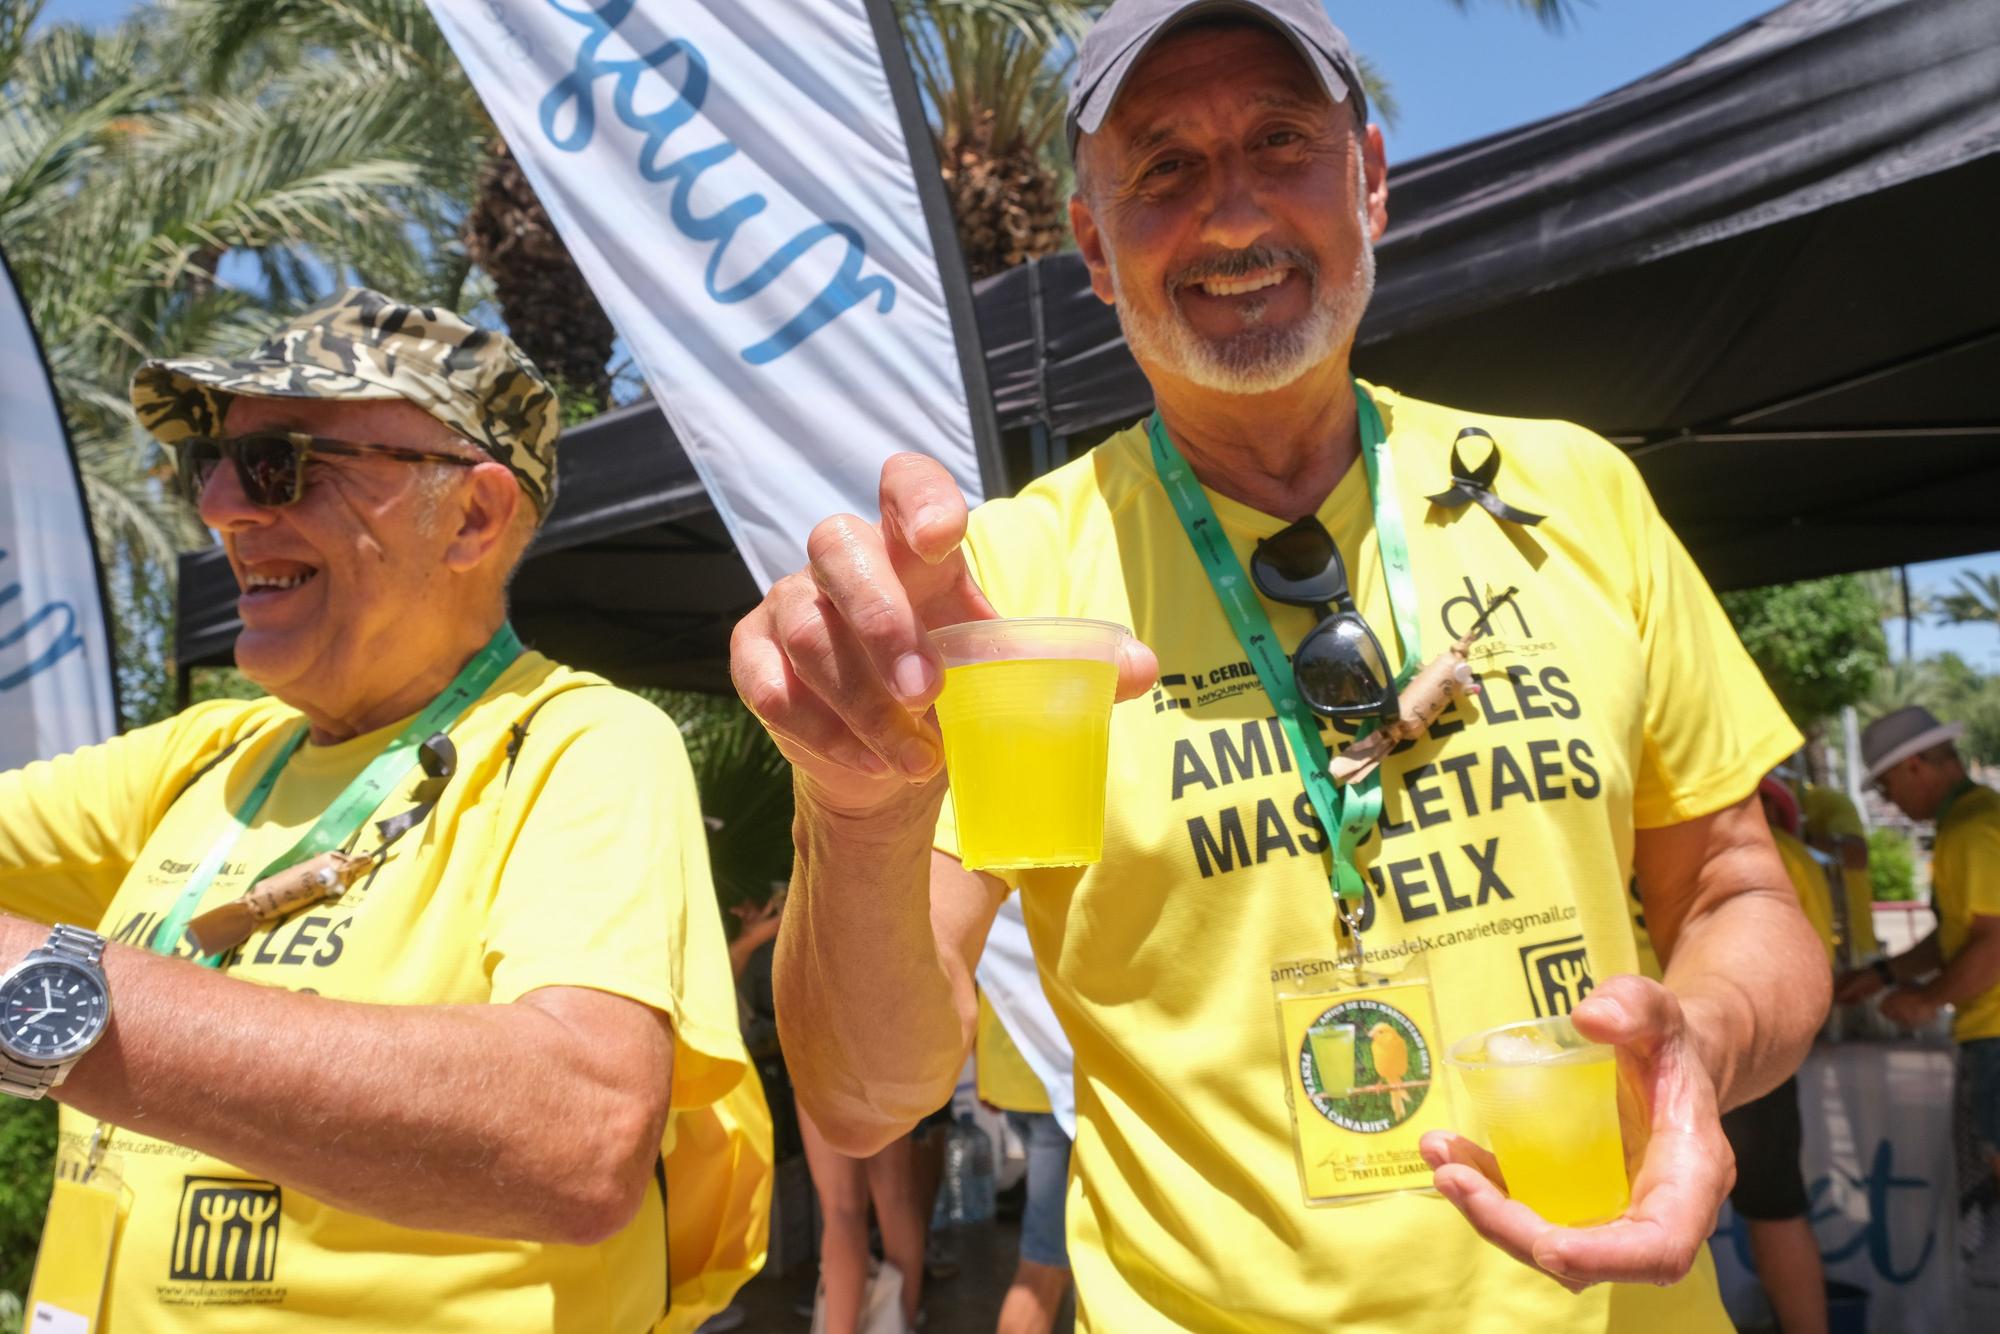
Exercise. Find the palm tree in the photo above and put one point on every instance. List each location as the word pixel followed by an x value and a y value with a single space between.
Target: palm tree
pixel 1976 600
pixel 994 77
pixel 746 792
pixel 150 203
pixel 495 221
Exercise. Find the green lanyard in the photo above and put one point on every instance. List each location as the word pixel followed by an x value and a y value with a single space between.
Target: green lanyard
pixel 359 800
pixel 1344 812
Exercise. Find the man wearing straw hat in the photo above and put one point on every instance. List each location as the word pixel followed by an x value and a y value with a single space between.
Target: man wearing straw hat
pixel 1913 760
pixel 397 999
pixel 1229 196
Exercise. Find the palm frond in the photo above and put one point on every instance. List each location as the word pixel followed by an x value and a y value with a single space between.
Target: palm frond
pixel 1552 14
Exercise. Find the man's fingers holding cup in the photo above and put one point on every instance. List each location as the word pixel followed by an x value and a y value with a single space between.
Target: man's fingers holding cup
pixel 852 569
pixel 802 724
pixel 923 511
pixel 828 659
pixel 1138 668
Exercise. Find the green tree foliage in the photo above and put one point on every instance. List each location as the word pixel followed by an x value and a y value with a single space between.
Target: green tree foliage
pixel 1819 643
pixel 1975 599
pixel 1958 692
pixel 136 160
pixel 27 1158
pixel 1892 866
pixel 746 792
pixel 1951 688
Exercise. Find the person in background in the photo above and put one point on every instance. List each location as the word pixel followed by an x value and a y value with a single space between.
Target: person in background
pixel 1766 1134
pixel 1833 825
pixel 1038 1095
pixel 1913 760
pixel 750 963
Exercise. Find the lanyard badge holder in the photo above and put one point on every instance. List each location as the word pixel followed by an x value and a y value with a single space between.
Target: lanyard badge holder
pixel 86 1214
pixel 1359 1048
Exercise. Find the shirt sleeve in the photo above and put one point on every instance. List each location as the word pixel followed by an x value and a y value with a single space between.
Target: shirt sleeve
pixel 606 883
pixel 1712 725
pixel 71 827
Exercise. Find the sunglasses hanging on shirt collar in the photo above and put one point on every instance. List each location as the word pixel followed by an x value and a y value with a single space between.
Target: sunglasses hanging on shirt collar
pixel 1476 484
pixel 1340 668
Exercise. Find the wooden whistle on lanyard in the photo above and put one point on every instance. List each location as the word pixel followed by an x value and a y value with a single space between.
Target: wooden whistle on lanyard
pixel 314 880
pixel 1445 677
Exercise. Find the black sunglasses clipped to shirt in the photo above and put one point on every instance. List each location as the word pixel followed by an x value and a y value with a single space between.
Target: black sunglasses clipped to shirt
pixel 1340 667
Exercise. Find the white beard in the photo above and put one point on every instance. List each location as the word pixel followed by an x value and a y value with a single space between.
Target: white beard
pixel 1257 360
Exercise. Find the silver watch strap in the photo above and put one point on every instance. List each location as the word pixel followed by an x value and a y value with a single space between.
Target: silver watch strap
pixel 73 942
pixel 18 1078
pixel 28 1081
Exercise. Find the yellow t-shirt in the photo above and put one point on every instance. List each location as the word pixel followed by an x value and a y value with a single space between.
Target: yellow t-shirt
pixel 1965 880
pixel 1829 813
pixel 1006 1080
pixel 1809 882
pixel 587 866
pixel 1616 697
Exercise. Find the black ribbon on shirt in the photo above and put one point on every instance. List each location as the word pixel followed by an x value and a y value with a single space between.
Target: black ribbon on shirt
pixel 1476 484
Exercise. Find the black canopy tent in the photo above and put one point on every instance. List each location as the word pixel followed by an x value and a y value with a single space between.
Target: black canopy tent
pixel 1769 271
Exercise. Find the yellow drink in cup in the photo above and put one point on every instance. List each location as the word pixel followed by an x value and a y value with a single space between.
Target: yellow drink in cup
pixel 1548 1098
pixel 1333 1056
pixel 1026 718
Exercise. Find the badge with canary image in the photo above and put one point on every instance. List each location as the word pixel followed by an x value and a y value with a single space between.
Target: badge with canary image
pixel 1360 1070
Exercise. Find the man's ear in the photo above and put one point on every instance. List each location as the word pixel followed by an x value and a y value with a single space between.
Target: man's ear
pixel 1090 244
pixel 1376 157
pixel 484 513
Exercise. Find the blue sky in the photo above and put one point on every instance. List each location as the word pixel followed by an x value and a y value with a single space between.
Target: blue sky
pixel 85 11
pixel 1459 75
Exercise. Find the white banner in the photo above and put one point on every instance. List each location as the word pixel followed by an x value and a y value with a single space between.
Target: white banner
pixel 1879 1171
pixel 1013 987
pixel 735 181
pixel 55 648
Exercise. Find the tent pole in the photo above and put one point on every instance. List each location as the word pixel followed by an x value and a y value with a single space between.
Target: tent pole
pixel 984 421
pixel 1909 620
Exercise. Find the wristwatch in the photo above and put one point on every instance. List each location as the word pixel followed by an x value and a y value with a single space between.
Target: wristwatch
pixel 54 1006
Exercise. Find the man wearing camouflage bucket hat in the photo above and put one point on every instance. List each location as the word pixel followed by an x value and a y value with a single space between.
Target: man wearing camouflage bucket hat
pixel 446 1062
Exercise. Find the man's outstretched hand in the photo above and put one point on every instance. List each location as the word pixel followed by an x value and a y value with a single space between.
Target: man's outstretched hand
pixel 1673 1133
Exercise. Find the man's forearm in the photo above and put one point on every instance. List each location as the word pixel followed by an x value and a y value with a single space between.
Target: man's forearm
pixel 1753 980
pixel 1973 971
pixel 1919 961
pixel 418 1115
pixel 875 1017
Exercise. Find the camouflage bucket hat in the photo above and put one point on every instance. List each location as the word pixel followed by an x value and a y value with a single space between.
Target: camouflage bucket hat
pixel 363 345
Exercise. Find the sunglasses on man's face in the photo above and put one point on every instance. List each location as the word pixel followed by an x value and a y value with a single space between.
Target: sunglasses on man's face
pixel 271 465
pixel 1340 667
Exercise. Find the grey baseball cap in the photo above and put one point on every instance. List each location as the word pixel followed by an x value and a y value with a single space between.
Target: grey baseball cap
pixel 1121 38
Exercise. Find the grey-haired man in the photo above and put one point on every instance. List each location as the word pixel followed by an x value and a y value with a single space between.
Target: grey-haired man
pixel 1229 197
pixel 434 1071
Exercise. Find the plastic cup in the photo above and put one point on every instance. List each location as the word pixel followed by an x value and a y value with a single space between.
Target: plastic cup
pixel 1333 1057
pixel 1026 718
pixel 1548 1098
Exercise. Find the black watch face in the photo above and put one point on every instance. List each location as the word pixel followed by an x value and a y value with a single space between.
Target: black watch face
pixel 50 1011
